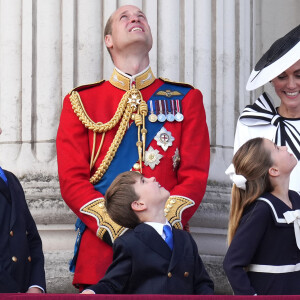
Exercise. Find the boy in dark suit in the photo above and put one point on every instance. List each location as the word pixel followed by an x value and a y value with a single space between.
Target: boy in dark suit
pixel 21 255
pixel 151 257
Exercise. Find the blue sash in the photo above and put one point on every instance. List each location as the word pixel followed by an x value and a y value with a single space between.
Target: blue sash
pixel 126 156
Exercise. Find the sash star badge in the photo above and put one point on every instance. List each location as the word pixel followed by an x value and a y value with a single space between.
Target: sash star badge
pixel 164 138
pixel 152 157
pixel 134 99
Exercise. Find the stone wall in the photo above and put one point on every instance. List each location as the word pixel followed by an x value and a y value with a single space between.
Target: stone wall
pixel 49 46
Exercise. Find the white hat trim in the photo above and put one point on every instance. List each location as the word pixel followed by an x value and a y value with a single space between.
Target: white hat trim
pixel 276 68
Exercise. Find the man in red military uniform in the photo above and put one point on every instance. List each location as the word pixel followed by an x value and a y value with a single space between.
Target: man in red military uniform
pixel 136 122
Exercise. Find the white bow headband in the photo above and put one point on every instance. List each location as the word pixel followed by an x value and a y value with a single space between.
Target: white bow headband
pixel 238 180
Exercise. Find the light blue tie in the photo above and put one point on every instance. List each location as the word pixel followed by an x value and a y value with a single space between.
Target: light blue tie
pixel 169 236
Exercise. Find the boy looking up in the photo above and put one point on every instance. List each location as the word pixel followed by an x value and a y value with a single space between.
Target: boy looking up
pixel 146 260
pixel 97 139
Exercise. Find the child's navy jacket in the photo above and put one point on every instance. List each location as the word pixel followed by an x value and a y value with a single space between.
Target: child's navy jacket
pixel 263 257
pixel 144 264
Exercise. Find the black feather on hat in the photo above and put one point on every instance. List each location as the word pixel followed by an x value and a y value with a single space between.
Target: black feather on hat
pixel 282 54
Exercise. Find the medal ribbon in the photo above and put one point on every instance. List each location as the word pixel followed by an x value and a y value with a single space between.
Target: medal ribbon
pixel 151 106
pixel 166 111
pixel 173 107
pixel 125 157
pixel 160 107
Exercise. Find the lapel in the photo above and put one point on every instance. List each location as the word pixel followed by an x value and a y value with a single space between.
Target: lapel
pixel 13 195
pixel 153 240
pixel 178 247
pixel 5 190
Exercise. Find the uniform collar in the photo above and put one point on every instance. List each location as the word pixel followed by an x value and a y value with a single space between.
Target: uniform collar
pixel 124 81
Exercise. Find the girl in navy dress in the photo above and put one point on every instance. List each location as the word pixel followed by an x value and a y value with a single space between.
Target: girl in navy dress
pixel 264 236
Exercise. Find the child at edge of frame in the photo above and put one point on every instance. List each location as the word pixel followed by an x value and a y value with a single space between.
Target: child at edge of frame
pixel 263 257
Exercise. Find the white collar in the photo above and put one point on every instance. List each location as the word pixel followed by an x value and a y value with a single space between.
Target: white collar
pixel 132 77
pixel 158 227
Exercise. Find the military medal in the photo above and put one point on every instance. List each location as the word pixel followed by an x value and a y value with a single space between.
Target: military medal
pixel 161 116
pixel 152 157
pixel 164 138
pixel 179 116
pixel 152 117
pixel 170 116
pixel 134 99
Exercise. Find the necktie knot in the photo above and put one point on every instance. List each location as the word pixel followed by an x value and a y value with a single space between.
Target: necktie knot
pixel 169 236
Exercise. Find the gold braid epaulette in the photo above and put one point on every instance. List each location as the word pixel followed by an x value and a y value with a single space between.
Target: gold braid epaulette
pixel 88 122
pixel 128 104
pixel 174 208
pixel 113 147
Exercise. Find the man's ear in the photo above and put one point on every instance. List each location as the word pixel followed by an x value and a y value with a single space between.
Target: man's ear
pixel 108 41
pixel 274 172
pixel 138 206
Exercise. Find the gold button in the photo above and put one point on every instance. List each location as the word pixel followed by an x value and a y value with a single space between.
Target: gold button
pixel 14 259
pixel 169 274
pixel 11 233
pixel 136 166
pixel 186 274
pixel 29 258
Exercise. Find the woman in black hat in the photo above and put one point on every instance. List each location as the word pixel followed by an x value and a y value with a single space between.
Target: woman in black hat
pixel 280 65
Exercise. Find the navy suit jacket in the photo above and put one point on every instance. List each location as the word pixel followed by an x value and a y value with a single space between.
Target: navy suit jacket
pixel 21 256
pixel 144 264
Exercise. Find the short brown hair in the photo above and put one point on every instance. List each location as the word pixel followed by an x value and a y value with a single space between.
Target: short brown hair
pixel 118 199
pixel 108 31
pixel 108 28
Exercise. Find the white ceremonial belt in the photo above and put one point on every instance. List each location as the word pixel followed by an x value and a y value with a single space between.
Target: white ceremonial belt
pixel 274 269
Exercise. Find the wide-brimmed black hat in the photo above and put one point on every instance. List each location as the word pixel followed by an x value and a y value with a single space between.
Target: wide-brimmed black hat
pixel 281 55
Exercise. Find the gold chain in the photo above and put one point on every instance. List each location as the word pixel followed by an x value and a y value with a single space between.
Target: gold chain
pixel 131 101
pixel 88 122
pixel 113 147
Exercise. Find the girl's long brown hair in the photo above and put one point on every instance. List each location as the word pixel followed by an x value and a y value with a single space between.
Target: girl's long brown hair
pixel 252 161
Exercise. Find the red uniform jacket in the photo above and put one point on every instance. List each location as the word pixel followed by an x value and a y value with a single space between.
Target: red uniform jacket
pixel 74 148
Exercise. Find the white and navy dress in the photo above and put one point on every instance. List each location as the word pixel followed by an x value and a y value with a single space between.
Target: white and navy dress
pixel 263 257
pixel 262 120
